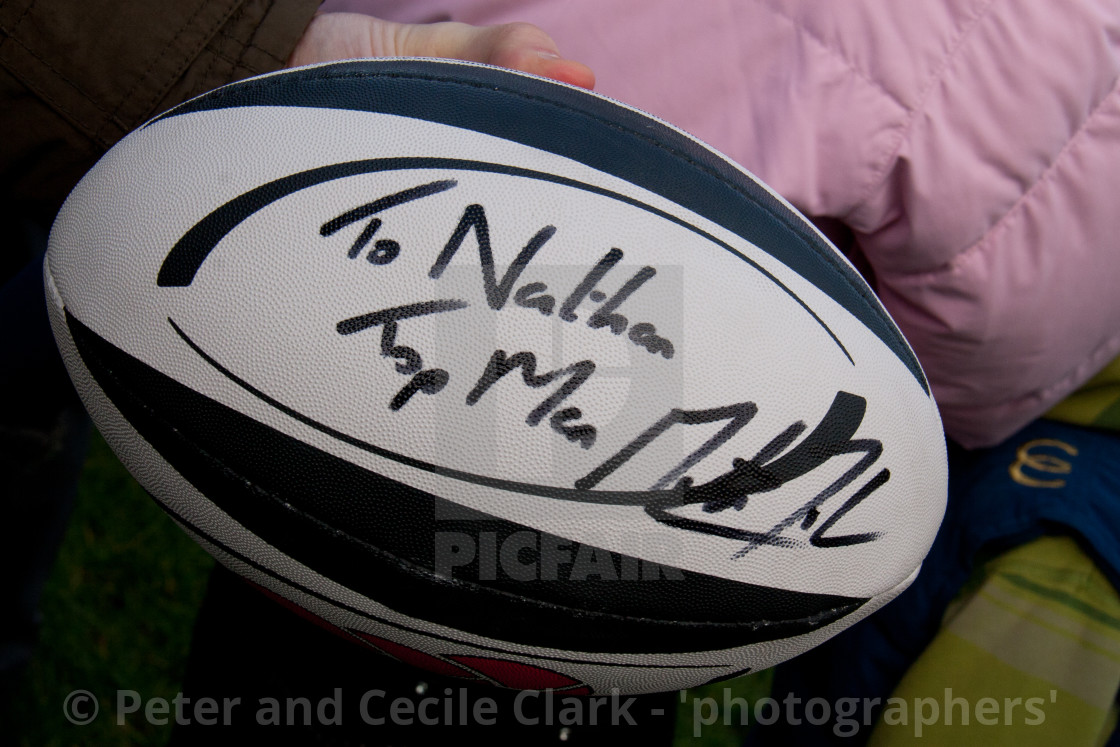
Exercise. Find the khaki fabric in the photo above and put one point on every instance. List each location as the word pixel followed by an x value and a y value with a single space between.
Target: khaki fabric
pixel 77 75
pixel 1029 654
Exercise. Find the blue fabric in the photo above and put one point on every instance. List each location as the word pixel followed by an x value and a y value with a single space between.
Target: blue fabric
pixel 988 512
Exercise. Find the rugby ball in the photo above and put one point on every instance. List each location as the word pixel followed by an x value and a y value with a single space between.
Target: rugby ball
pixel 496 376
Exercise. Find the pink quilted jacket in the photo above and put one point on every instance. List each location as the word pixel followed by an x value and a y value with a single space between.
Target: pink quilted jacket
pixel 972 146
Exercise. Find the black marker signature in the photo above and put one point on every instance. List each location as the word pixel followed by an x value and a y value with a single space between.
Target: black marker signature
pixel 766 471
pixel 430 381
pixel 500 364
pixel 385 250
pixel 532 295
pixel 397 313
pixel 777 463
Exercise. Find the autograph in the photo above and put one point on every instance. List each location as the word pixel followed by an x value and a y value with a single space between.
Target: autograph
pixel 778 462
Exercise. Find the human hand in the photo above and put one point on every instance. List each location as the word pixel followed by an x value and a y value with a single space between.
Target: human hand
pixel 520 46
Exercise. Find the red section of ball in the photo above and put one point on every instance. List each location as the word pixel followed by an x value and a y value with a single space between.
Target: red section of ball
pixel 516 675
pixel 305 614
pixel 416 658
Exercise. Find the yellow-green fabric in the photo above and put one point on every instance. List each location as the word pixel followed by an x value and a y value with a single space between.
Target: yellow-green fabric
pixel 1037 634
pixel 1096 404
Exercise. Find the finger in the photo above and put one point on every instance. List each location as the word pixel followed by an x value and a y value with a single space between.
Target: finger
pixel 518 46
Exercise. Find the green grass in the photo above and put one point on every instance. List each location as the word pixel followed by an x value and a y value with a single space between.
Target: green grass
pixel 697 706
pixel 118 612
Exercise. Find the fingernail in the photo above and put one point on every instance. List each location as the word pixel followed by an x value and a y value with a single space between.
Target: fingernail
pixel 545 54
